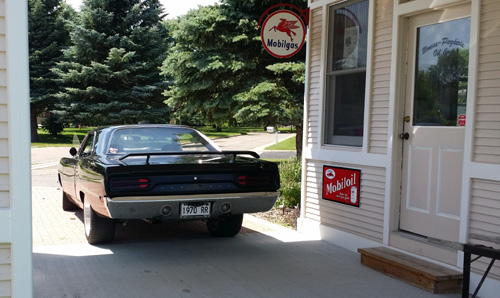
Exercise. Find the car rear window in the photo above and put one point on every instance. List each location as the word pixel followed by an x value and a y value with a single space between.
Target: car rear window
pixel 156 139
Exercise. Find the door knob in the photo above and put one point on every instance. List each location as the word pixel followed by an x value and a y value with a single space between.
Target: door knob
pixel 404 136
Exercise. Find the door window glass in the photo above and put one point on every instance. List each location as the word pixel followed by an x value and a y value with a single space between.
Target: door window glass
pixel 88 146
pixel 441 74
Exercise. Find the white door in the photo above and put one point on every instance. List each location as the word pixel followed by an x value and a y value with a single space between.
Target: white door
pixel 434 123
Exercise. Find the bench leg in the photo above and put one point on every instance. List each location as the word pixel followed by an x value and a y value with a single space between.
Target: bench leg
pixel 483 278
pixel 466 275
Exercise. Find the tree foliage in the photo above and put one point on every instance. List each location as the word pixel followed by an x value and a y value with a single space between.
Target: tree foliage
pixel 280 84
pixel 216 70
pixel 200 68
pixel 222 73
pixel 48 35
pixel 438 87
pixel 278 100
pixel 111 74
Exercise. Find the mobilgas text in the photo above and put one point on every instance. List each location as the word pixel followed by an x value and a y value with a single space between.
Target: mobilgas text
pixel 281 44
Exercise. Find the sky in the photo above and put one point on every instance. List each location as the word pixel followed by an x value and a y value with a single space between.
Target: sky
pixel 174 8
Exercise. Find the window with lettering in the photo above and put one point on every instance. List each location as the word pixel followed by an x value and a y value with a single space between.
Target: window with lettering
pixel 441 73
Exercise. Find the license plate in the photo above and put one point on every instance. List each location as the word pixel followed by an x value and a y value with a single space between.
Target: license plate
pixel 190 210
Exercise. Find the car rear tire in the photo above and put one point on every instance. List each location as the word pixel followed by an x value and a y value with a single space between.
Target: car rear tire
pixel 225 227
pixel 67 204
pixel 97 229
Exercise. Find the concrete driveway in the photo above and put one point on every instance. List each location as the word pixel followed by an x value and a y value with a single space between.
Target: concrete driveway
pixel 183 260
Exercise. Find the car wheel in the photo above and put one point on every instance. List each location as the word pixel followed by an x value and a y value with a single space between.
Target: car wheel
pixel 225 227
pixel 67 204
pixel 97 229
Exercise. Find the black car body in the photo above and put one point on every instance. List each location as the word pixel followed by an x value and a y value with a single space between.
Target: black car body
pixel 160 173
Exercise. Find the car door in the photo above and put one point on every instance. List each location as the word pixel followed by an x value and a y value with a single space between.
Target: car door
pixel 84 153
pixel 89 178
pixel 67 170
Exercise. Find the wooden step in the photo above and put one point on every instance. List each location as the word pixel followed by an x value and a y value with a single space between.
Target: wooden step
pixel 426 275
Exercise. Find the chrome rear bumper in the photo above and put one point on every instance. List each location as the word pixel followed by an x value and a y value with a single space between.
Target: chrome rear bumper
pixel 155 206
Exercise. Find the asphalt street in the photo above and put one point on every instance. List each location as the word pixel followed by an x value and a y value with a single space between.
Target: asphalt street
pixel 183 260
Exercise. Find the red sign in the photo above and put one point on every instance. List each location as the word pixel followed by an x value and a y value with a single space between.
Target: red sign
pixel 341 185
pixel 283 34
pixel 461 120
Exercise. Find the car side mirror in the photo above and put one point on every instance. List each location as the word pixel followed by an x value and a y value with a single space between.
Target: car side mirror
pixel 73 151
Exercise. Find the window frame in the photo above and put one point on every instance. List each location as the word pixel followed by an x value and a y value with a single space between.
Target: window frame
pixel 329 138
pixel 88 145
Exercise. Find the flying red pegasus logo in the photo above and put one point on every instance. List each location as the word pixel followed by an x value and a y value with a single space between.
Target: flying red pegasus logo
pixel 286 26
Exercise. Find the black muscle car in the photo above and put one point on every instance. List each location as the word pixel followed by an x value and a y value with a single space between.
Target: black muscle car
pixel 161 173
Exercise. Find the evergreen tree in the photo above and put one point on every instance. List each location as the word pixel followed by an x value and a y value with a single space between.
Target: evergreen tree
pixel 112 75
pixel 222 73
pixel 48 36
pixel 204 67
pixel 277 100
pixel 276 95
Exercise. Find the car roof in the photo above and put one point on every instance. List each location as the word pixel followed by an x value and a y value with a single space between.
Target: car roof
pixel 123 126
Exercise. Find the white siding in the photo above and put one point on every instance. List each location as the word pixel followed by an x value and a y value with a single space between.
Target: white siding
pixel 16 270
pixel 484 212
pixel 382 42
pixel 365 221
pixel 5 270
pixel 315 66
pixel 487 126
pixel 485 220
pixel 4 117
pixel 5 251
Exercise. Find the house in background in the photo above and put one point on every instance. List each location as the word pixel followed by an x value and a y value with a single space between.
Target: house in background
pixel 402 109
pixel 15 174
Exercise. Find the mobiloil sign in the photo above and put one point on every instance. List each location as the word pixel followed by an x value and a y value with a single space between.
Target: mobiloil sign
pixel 341 185
pixel 283 31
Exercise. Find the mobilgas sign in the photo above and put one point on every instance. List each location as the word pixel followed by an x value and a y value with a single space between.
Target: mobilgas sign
pixel 283 34
pixel 341 185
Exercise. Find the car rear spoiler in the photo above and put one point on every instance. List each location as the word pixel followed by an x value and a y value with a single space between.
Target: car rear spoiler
pixel 149 154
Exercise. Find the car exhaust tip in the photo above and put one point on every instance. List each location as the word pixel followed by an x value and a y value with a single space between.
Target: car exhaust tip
pixel 225 208
pixel 166 210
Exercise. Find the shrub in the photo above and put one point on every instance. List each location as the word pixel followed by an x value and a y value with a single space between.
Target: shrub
pixel 290 172
pixel 52 125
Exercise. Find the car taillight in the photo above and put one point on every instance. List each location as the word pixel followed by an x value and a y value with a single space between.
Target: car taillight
pixel 121 184
pixel 254 180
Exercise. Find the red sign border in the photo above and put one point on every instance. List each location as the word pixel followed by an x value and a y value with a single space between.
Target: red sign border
pixel 358 180
pixel 264 26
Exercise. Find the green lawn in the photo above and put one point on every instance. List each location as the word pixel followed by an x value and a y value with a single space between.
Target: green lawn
pixel 63 139
pixel 234 131
pixel 288 144
pixel 226 132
